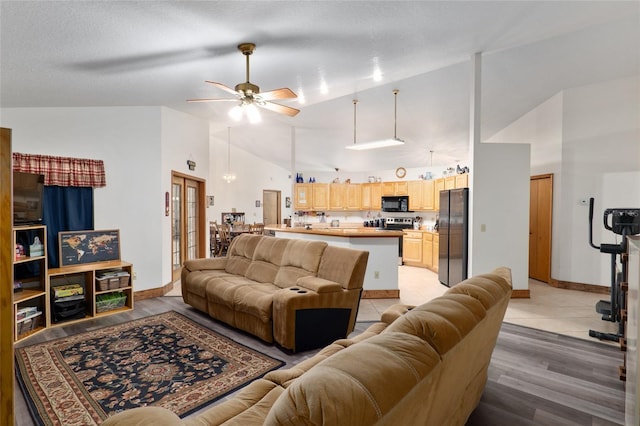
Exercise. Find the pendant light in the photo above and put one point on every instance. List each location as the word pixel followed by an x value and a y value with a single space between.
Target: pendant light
pixel 229 176
pixel 385 142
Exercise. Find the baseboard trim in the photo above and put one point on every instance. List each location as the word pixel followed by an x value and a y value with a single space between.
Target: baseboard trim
pixel 380 294
pixel 520 294
pixel 153 292
pixel 590 288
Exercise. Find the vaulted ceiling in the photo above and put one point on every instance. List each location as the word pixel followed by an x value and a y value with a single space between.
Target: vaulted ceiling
pixel 144 53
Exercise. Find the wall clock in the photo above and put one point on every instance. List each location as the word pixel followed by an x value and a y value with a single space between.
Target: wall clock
pixel 401 172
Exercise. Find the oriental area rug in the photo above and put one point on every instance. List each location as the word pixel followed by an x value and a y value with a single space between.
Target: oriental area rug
pixel 163 360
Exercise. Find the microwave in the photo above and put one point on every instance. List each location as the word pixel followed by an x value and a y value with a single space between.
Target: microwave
pixel 395 204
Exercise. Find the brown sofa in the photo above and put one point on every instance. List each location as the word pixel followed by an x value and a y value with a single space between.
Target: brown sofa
pixel 300 294
pixel 418 366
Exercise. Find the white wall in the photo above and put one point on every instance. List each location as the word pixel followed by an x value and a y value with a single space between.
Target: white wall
pixel 601 134
pixel 588 137
pixel 499 211
pixel 183 137
pixel 129 141
pixel 253 175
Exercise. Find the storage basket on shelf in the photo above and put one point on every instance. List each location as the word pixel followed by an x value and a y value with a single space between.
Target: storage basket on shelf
pixel 110 280
pixel 110 301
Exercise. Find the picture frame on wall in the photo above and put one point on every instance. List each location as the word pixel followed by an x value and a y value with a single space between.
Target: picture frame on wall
pixel 90 246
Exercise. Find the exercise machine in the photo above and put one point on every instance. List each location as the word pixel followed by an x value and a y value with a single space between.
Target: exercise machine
pixel 624 222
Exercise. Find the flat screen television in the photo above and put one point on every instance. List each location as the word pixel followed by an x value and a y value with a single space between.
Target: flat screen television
pixel 27 198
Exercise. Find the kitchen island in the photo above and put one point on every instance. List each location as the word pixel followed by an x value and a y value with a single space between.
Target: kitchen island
pixel 381 276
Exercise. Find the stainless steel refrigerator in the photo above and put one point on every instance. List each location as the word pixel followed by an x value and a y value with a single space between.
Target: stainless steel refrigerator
pixel 453 229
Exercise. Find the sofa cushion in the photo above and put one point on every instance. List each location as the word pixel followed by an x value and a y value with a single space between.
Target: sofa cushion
pixel 442 322
pixel 267 258
pixel 255 299
pixel 301 258
pixel 241 253
pixel 348 387
pixel 222 290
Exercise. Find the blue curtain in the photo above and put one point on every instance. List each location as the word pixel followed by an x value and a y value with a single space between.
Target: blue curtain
pixel 65 208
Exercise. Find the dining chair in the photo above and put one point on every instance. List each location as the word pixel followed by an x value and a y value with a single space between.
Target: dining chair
pixel 225 239
pixel 214 238
pixel 257 228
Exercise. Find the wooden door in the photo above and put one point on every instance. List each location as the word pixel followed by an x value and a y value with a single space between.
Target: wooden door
pixel 271 207
pixel 540 218
pixel 188 221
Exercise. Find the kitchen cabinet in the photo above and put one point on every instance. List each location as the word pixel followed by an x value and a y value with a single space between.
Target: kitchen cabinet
pixel 427 249
pixel 395 188
pixel 336 196
pixel 320 196
pixel 450 182
pixel 436 251
pixel 428 194
pixel 30 298
pixel 412 248
pixel 462 180
pixel 353 196
pixel 371 196
pixel 414 189
pixel 438 186
pixel 302 196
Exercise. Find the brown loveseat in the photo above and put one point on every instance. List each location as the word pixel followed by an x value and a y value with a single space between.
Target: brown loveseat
pixel 419 366
pixel 300 294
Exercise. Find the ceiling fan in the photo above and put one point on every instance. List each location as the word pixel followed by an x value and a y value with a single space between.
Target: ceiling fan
pixel 249 94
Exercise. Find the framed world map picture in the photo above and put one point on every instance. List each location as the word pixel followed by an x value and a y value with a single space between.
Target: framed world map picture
pixel 80 247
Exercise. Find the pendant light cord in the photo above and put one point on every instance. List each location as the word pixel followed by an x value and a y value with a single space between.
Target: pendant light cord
pixel 229 149
pixel 395 113
pixel 355 101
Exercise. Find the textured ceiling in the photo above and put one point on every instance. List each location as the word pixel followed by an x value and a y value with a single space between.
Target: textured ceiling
pixel 56 54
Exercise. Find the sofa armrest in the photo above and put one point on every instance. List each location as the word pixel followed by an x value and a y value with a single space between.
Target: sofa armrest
pixel 319 285
pixel 306 319
pixel 141 416
pixel 394 312
pixel 209 263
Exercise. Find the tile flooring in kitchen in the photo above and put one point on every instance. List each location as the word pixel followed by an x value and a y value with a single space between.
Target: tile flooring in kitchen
pixel 562 311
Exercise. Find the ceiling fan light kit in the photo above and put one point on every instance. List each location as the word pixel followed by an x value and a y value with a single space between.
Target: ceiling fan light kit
pixel 248 96
pixel 394 141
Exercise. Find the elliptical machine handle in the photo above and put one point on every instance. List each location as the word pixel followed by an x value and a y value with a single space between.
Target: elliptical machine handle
pixel 591 225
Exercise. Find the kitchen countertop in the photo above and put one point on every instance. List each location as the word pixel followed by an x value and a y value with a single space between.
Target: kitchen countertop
pixel 361 232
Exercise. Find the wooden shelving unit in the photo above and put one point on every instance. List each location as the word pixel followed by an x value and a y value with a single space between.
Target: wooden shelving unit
pixel 86 275
pixel 31 272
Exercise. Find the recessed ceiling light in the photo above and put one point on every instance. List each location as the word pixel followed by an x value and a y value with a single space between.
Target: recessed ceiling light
pixel 377 74
pixel 324 89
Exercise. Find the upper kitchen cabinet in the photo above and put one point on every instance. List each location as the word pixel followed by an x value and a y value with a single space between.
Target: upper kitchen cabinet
pixel 438 186
pixel 353 196
pixel 336 196
pixel 414 189
pixel 395 188
pixel 462 180
pixel 302 196
pixel 371 195
pixel 428 194
pixel 320 193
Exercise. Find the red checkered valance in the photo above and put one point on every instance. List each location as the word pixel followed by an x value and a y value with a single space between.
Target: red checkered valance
pixel 62 171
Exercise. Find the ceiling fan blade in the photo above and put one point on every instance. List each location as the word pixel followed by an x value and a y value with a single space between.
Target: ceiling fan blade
pixel 281 109
pixel 212 100
pixel 283 93
pixel 223 87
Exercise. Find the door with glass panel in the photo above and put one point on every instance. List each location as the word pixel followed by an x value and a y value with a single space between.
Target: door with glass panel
pixel 187 221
